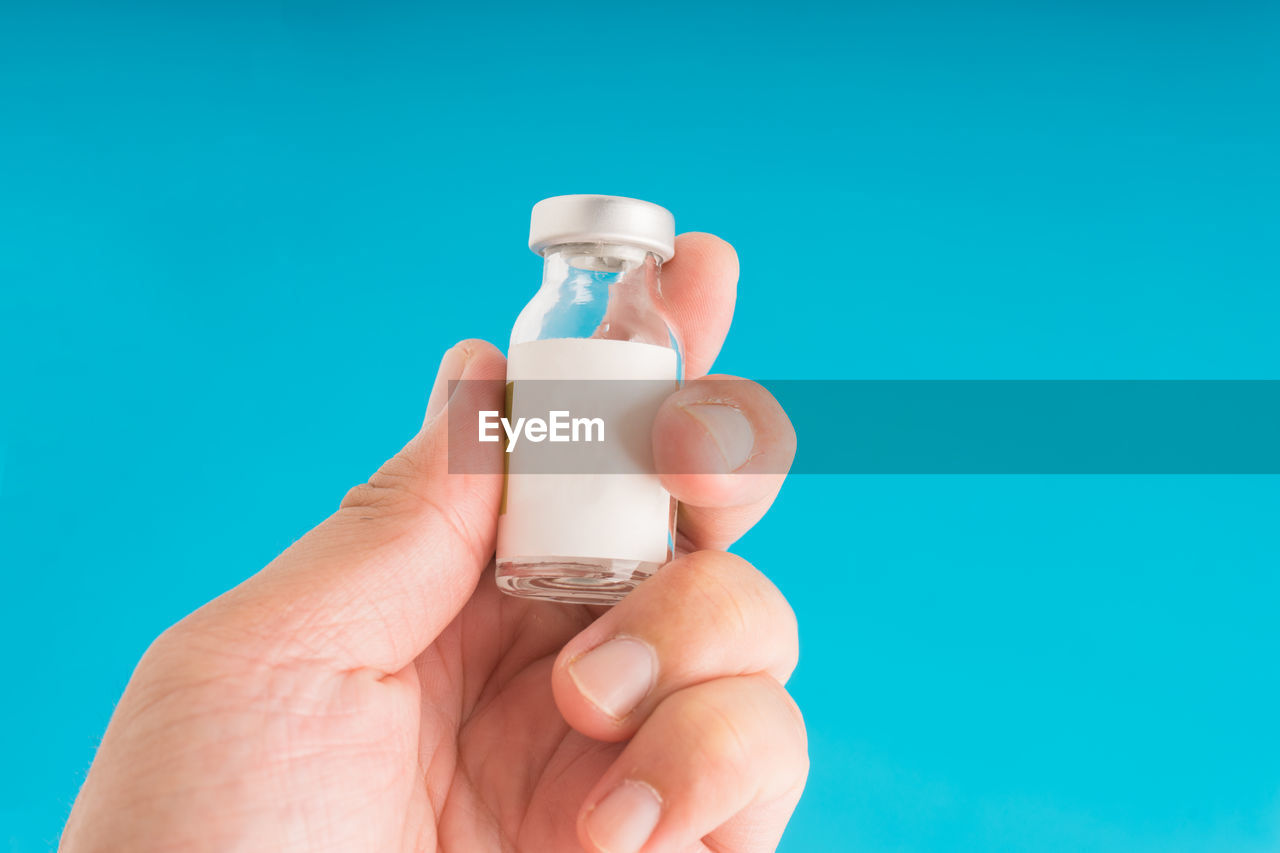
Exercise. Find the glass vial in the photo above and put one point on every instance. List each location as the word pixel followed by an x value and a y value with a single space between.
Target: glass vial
pixel 590 538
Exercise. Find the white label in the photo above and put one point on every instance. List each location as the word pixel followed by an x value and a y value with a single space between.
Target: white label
pixel 590 515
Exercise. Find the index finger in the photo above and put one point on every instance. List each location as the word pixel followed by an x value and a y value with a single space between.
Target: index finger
pixel 699 288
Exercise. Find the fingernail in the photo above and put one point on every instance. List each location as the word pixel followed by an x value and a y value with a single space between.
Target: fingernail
pixel 729 429
pixel 623 821
pixel 450 370
pixel 616 675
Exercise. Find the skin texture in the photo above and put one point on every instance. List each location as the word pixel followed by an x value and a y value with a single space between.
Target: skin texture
pixel 371 689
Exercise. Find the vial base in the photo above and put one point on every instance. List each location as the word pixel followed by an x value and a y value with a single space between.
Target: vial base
pixel 572 580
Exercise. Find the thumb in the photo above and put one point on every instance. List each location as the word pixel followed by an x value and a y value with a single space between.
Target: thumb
pixel 374 584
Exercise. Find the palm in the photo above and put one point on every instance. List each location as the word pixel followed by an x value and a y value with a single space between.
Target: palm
pixel 502 769
pixel 463 750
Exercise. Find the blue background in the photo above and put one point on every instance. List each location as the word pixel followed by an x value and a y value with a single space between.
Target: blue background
pixel 236 237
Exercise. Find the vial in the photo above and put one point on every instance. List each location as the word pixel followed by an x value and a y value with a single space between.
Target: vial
pixel 589 537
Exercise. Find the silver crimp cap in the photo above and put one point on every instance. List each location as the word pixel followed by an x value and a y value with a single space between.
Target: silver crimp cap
pixel 602 219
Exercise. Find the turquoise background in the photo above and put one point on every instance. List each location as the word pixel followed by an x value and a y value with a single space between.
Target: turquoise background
pixel 236 237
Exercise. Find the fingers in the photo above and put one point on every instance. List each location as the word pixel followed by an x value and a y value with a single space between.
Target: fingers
pixel 723 447
pixel 689 667
pixel 705 754
pixel 373 584
pixel 699 286
pixel 703 616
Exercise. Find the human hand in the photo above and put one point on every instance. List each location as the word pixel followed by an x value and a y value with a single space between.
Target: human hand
pixel 371 689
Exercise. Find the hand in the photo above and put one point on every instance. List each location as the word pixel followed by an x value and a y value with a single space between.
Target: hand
pixel 372 689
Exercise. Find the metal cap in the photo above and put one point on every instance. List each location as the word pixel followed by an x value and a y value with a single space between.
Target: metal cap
pixel 602 219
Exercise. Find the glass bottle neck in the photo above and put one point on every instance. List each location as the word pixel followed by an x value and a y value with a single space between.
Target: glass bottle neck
pixel 597 290
pixel 615 258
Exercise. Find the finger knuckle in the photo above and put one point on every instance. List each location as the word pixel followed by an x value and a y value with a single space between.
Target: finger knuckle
pixel 737 726
pixel 791 710
pixel 369 499
pixel 742 601
pixel 717 734
pixel 391 491
pixel 787 733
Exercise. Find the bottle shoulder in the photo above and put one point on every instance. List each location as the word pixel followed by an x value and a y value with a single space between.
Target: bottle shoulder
pixel 553 314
